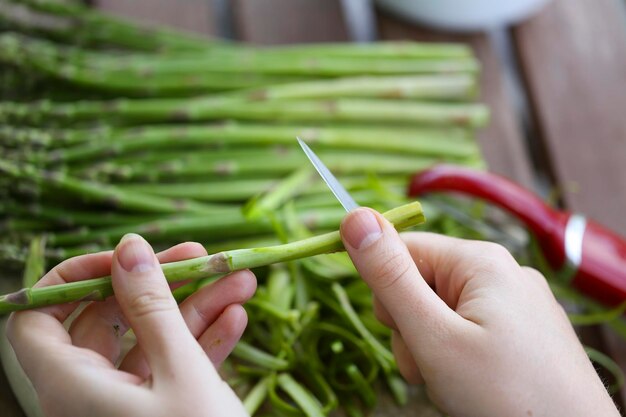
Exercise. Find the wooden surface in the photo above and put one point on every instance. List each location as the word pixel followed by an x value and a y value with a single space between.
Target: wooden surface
pixel 192 15
pixel 288 21
pixel 572 57
pixel 502 143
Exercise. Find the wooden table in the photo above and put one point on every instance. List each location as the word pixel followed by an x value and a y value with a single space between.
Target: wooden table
pixel 558 94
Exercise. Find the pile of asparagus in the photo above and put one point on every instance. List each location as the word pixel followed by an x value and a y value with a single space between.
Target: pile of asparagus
pixel 108 128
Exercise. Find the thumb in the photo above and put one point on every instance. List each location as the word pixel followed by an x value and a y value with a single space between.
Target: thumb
pixel 147 303
pixel 384 262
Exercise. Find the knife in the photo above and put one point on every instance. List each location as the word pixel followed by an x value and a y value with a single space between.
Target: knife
pixel 335 186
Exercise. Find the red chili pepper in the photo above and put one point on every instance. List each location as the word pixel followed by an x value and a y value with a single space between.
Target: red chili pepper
pixel 596 255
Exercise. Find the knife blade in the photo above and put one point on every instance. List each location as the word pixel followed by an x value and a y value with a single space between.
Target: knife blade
pixel 335 186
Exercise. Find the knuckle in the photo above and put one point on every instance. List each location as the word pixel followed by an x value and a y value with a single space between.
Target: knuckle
pixel 495 250
pixel 389 272
pixel 150 302
pixel 488 257
pixel 537 277
pixel 532 272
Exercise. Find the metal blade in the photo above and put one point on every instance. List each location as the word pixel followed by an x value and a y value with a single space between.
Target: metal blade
pixel 342 195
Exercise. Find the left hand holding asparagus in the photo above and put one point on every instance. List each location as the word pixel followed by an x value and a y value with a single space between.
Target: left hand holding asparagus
pixel 171 371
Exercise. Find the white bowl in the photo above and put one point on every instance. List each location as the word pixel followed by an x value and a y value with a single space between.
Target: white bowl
pixel 463 15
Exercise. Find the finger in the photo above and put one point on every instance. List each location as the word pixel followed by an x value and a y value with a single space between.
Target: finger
pixel 201 309
pixel 385 264
pixel 101 326
pixel 406 364
pixel 450 263
pixel 200 312
pixel 383 315
pixel 74 269
pixel 34 333
pixel 219 340
pixel 147 303
pixel 135 363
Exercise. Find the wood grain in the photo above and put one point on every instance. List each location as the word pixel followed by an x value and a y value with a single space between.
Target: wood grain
pixel 192 15
pixel 502 142
pixel 573 57
pixel 289 21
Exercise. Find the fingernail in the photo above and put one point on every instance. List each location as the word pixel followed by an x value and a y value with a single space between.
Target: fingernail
pixel 134 254
pixel 361 229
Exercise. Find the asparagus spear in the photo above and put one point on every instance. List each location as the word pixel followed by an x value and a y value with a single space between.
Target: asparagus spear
pixel 55 215
pixel 227 190
pixel 127 111
pixel 193 227
pixel 43 53
pixel 419 141
pixel 259 162
pixel 98 289
pixel 104 194
pixel 88 25
pixel 21 137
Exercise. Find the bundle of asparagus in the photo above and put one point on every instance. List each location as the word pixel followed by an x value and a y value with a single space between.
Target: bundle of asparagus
pixel 118 128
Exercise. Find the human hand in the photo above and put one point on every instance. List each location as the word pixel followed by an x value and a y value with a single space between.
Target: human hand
pixel 172 369
pixel 486 335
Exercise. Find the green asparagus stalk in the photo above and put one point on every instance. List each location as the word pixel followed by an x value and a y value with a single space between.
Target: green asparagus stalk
pixel 98 289
pixel 102 193
pixel 256 396
pixel 300 395
pixel 235 190
pixel 56 216
pixel 452 142
pixel 272 199
pixel 265 162
pixel 50 60
pixel 223 190
pixel 21 137
pixel 78 63
pixel 35 262
pixel 127 111
pixel 193 227
pixel 90 26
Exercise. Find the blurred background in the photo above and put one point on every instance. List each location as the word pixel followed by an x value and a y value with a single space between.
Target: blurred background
pixel 552 75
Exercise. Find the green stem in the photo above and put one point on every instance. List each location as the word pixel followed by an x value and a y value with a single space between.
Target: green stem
pixel 610 365
pixel 209 228
pixel 363 387
pixel 385 357
pixel 229 190
pixel 256 396
pixel 100 288
pixel 448 142
pixel 35 262
pixel 301 396
pixel 103 193
pixel 340 110
pixel 275 161
pixel 259 358
pixel 91 26
pixel 270 200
